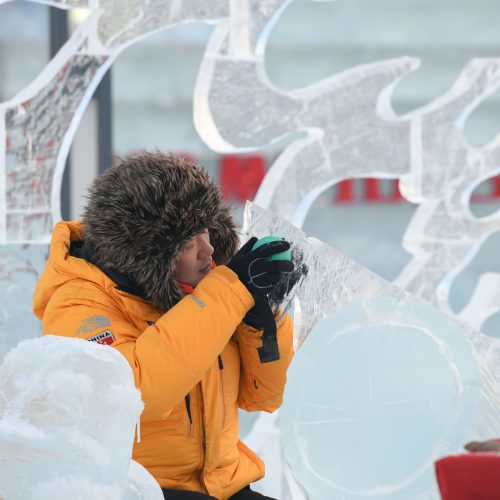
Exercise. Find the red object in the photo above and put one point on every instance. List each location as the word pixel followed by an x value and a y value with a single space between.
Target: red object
pixel 241 176
pixel 345 192
pixel 372 190
pixel 496 186
pixel 471 476
pixel 373 193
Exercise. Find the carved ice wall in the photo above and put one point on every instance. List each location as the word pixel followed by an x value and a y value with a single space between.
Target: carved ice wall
pixel 346 120
pixel 352 131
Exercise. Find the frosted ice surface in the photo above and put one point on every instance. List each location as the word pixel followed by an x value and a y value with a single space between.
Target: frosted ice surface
pixel 68 411
pixel 66 4
pixel 135 18
pixel 338 142
pixel 384 384
pixel 121 23
pixel 347 117
pixel 484 301
pixel 35 129
pixel 351 131
pixel 37 125
pixel 20 268
pixel 443 235
pixel 141 484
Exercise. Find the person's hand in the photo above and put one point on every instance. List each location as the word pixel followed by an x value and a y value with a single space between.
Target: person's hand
pixel 255 271
pixel 489 445
pixel 288 282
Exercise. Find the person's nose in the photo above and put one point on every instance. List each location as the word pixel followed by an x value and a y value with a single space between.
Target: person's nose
pixel 206 249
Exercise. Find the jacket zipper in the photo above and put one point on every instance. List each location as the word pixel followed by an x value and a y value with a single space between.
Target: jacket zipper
pixel 203 437
pixel 203 450
pixel 202 415
pixel 187 400
pixel 221 393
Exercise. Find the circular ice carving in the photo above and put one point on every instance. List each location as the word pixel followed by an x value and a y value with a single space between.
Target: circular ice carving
pixel 378 392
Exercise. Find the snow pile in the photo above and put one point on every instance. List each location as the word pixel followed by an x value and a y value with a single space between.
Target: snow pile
pixel 68 412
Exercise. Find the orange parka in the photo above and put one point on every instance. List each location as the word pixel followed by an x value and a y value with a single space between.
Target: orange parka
pixel 195 365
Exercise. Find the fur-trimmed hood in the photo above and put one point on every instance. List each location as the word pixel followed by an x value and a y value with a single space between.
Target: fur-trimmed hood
pixel 141 213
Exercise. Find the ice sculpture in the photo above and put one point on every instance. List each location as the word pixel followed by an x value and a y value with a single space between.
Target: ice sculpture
pixel 347 118
pixel 348 130
pixel 20 267
pixel 383 386
pixel 38 125
pixel 351 131
pixel 444 235
pixel 141 484
pixel 359 124
pixel 68 411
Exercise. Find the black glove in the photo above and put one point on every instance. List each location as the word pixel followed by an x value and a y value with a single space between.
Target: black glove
pixel 261 277
pixel 262 314
pixel 258 274
pixel 288 280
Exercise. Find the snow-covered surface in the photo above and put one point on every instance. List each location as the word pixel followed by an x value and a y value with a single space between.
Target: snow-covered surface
pixel 68 414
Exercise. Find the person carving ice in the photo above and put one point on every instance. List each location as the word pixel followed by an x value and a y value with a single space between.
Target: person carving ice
pixel 152 270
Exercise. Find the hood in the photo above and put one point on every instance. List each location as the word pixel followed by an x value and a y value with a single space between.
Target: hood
pixel 141 213
pixel 61 267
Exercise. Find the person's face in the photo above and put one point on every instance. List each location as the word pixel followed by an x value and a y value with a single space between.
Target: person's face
pixel 195 261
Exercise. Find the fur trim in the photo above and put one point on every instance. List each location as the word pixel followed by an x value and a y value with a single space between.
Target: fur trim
pixel 140 214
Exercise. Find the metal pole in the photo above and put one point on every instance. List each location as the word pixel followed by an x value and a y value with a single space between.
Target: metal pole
pixel 105 119
pixel 58 33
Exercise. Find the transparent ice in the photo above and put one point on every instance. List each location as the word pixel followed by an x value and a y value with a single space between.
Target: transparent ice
pixel 384 384
pixel 68 410
pixel 341 127
pixel 20 268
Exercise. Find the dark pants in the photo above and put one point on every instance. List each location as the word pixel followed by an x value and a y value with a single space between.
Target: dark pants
pixel 244 494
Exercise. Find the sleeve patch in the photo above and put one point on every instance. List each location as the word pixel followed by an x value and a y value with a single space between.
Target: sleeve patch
pixel 104 338
pixel 93 323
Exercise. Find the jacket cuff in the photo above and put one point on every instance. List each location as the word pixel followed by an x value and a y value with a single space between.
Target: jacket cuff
pixel 231 279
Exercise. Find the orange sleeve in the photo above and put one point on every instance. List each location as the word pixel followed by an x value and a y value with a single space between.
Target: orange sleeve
pixel 167 358
pixel 262 384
